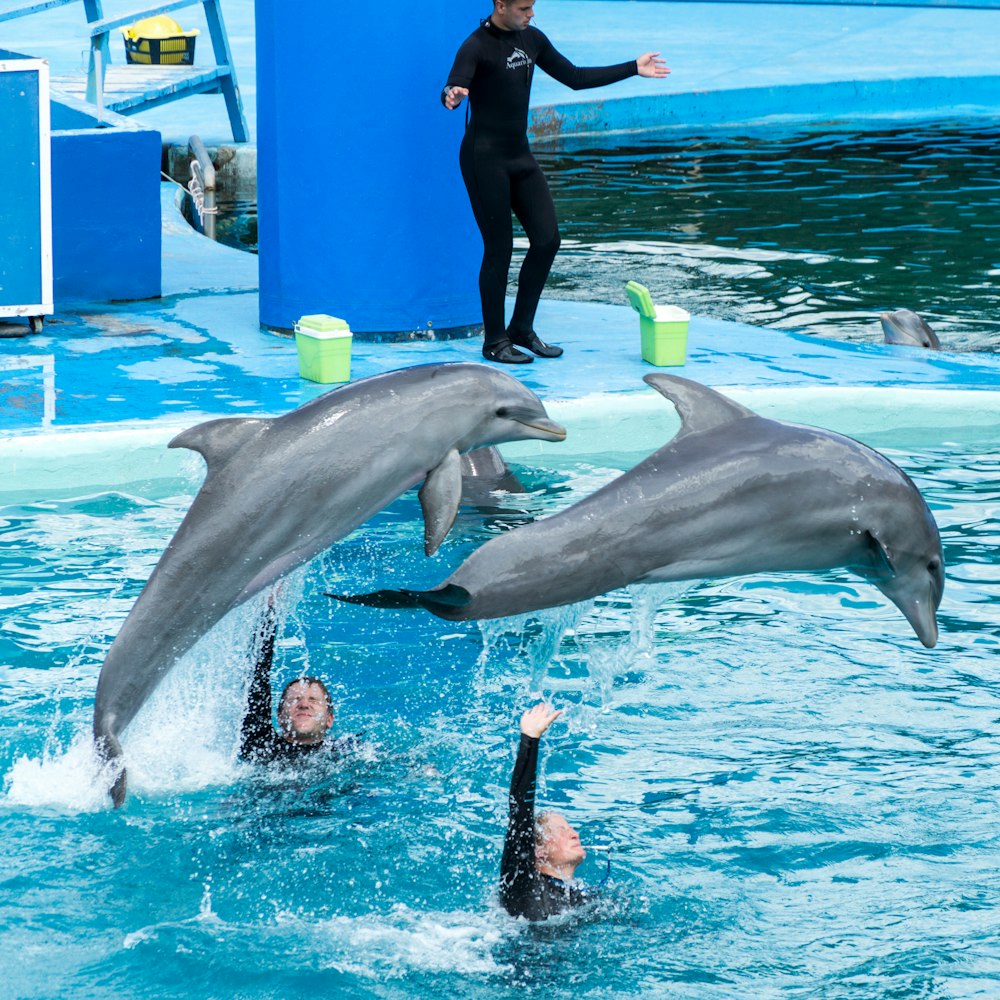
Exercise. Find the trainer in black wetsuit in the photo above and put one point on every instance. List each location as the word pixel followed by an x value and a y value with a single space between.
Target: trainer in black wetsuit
pixel 304 711
pixel 494 68
pixel 540 856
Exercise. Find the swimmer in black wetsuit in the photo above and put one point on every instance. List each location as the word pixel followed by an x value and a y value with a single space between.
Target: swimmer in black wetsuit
pixel 493 69
pixel 305 712
pixel 540 854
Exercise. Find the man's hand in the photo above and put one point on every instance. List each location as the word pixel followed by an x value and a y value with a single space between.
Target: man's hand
pixel 536 720
pixel 453 97
pixel 650 64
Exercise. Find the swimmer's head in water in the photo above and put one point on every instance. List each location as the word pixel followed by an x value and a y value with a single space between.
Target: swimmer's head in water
pixel 557 844
pixel 305 711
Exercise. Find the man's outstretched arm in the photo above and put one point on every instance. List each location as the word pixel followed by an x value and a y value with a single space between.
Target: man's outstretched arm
pixel 518 864
pixel 257 730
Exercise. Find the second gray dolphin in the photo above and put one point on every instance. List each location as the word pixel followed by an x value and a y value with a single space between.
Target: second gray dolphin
pixel 732 493
pixel 280 491
pixel 905 327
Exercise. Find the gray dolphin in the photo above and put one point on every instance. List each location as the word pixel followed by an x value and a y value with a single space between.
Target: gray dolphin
pixel 732 493
pixel 280 491
pixel 905 327
pixel 485 474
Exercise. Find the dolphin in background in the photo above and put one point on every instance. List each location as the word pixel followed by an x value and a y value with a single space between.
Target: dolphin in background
pixel 732 493
pixel 484 472
pixel 908 329
pixel 279 491
pixel 488 484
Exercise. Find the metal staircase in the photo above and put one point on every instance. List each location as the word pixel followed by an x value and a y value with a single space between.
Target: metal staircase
pixel 128 89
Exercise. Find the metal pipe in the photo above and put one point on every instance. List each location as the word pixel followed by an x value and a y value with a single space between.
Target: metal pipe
pixel 202 185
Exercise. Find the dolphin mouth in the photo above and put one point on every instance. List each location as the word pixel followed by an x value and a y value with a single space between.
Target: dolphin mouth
pixel 922 616
pixel 927 633
pixel 547 429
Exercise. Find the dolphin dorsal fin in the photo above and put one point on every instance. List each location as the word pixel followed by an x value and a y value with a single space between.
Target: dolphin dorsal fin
pixel 218 440
pixel 700 408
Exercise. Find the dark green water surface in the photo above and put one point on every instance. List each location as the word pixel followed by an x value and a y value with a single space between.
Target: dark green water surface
pixel 817 230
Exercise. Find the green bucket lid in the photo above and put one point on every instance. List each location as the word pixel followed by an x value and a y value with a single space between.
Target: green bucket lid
pixel 642 301
pixel 322 323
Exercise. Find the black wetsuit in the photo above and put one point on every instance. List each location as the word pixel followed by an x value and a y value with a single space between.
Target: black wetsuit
pixel 497 166
pixel 524 890
pixel 259 742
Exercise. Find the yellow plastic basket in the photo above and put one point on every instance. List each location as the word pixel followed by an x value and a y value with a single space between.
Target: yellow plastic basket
pixel 159 41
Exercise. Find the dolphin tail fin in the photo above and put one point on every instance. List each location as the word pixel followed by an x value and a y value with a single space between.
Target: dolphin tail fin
pixel 439 602
pixel 109 752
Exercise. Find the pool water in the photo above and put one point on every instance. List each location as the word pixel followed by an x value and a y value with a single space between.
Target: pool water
pixel 816 228
pixel 801 799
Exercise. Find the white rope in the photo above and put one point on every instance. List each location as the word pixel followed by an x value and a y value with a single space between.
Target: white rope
pixel 197 192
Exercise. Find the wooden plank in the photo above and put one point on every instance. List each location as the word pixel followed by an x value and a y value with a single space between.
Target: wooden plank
pixel 135 88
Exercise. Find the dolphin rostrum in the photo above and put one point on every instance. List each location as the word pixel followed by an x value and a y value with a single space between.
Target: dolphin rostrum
pixel 279 491
pixel 905 327
pixel 732 493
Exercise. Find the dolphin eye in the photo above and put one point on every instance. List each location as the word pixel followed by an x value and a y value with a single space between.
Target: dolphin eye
pixel 502 411
pixel 934 565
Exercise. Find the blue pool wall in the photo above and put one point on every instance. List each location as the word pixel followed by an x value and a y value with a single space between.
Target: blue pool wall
pixel 362 210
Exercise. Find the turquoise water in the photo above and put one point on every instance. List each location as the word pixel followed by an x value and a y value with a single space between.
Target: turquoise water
pixel 801 799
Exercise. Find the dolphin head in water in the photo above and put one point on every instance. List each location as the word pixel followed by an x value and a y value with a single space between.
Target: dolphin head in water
pixel 906 328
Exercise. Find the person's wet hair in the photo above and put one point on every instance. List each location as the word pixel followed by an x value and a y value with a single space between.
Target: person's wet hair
pixel 307 680
pixel 542 828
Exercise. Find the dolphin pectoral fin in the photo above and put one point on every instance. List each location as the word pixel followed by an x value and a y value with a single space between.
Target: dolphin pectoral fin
pixel 881 557
pixel 700 408
pixel 439 499
pixel 450 596
pixel 218 440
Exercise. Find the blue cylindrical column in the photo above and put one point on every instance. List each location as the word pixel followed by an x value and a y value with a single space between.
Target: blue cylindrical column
pixel 361 208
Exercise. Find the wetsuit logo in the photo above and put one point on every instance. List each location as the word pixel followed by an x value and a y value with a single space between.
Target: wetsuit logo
pixel 517 59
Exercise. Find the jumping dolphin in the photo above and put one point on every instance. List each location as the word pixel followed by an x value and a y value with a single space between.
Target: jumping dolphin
pixel 907 328
pixel 732 493
pixel 280 491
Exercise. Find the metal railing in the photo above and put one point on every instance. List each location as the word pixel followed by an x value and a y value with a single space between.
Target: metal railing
pixel 202 186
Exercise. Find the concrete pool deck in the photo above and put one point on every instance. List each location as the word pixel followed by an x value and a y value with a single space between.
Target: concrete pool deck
pixel 199 349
